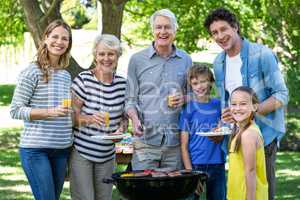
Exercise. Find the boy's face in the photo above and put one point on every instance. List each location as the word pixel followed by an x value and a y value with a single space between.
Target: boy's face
pixel 201 86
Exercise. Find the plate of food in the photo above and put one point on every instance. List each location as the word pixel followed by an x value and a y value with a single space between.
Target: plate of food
pixel 217 132
pixel 111 136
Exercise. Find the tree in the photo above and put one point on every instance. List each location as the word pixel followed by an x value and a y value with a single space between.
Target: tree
pixel 38 14
pixel 112 15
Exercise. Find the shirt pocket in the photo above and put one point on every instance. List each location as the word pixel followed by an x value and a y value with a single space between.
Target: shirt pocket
pixel 254 79
pixel 257 83
pixel 181 76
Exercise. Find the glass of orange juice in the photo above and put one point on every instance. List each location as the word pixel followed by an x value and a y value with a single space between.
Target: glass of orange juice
pixel 106 118
pixel 105 111
pixel 172 93
pixel 66 102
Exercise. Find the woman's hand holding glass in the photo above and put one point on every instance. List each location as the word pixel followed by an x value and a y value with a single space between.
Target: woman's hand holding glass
pixel 99 118
pixel 58 111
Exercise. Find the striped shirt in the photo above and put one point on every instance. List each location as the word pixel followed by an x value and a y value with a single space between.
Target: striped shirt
pixel 33 92
pixel 97 97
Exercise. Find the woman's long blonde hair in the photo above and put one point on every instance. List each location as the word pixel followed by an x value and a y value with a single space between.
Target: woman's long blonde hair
pixel 43 60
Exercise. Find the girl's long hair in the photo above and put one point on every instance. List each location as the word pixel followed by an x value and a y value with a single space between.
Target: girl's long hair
pixel 43 59
pixel 236 131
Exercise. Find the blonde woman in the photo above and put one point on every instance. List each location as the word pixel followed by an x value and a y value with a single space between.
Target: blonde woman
pixel 38 101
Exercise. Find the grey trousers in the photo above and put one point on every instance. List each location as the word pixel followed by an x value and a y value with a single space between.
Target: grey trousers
pixel 270 155
pixel 147 156
pixel 86 178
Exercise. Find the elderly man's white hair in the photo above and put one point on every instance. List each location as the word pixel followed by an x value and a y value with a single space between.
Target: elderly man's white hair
pixel 165 13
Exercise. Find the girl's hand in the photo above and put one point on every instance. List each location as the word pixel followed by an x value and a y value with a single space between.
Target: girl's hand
pixel 226 116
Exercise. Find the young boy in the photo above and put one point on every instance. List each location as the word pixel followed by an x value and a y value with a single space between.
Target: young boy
pixel 202 114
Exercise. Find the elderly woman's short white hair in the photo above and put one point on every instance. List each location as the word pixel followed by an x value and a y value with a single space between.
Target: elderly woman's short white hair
pixel 110 41
pixel 165 13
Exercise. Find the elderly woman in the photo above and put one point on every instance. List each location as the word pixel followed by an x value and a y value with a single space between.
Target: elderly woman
pixel 98 102
pixel 38 100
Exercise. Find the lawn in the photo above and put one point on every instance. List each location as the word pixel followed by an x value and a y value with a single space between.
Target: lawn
pixel 14 186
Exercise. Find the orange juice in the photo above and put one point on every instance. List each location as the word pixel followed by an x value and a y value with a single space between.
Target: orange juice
pixel 106 118
pixel 66 102
pixel 170 100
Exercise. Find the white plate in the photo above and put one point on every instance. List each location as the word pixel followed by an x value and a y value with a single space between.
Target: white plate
pixel 225 131
pixel 110 137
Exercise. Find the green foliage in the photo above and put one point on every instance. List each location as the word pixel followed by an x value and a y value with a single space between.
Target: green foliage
pixel 191 15
pixel 282 25
pixel 12 23
pixel 6 94
pixel 76 14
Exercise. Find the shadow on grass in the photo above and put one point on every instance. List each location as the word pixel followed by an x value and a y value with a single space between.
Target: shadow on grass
pixel 9 138
pixel 8 183
pixel 288 176
pixel 10 194
pixel 6 94
pixel 9 158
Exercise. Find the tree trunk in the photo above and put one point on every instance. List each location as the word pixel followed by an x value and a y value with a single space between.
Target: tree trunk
pixel 112 15
pixel 37 20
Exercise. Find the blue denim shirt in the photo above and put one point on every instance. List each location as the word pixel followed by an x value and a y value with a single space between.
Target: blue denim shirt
pixel 260 72
pixel 150 79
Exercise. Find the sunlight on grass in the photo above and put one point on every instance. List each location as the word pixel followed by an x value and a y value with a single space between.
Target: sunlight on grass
pixel 288 172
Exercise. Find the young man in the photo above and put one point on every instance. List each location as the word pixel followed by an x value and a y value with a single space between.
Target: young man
pixel 152 74
pixel 243 63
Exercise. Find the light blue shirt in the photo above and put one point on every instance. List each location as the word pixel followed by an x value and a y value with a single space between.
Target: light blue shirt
pixel 202 117
pixel 149 81
pixel 260 72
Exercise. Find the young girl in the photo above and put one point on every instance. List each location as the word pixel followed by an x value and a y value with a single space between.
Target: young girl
pixel 247 171
pixel 39 99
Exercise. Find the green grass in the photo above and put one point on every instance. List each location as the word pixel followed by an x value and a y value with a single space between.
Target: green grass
pixel 14 185
pixel 6 94
pixel 291 140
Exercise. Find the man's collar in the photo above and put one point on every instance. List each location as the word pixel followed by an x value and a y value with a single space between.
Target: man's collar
pixel 174 53
pixel 244 48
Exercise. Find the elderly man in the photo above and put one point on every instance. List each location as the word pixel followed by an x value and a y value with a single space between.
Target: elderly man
pixel 153 74
pixel 250 64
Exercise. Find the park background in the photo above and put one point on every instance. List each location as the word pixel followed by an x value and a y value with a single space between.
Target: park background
pixel 273 22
